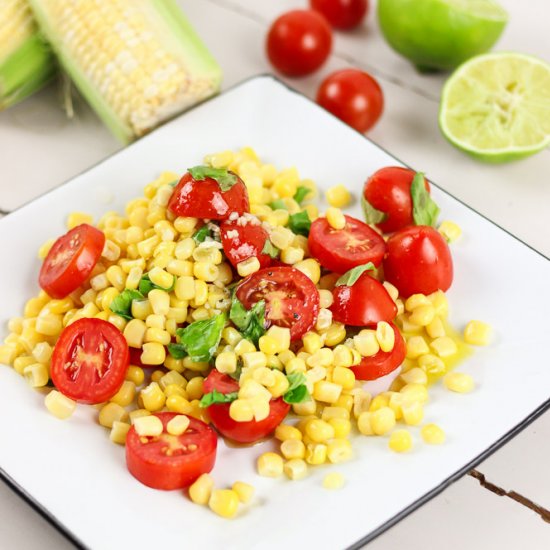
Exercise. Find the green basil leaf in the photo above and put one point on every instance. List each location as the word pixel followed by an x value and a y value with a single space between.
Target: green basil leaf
pixel 301 193
pixel 425 210
pixel 300 223
pixel 146 285
pixel 122 304
pixel 199 236
pixel 350 277
pixel 177 351
pixel 278 205
pixel 297 389
pixel 270 249
pixel 201 338
pixel 217 397
pixel 372 215
pixel 250 322
pixel 226 180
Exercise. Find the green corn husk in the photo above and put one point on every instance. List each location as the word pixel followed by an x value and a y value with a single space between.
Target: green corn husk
pixel 137 62
pixel 26 61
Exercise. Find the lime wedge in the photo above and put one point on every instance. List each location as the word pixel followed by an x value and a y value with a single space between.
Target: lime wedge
pixel 496 107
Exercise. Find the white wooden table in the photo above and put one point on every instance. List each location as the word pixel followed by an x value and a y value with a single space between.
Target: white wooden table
pixel 502 504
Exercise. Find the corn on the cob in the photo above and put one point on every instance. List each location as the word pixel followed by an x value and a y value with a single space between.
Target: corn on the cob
pixel 26 61
pixel 138 63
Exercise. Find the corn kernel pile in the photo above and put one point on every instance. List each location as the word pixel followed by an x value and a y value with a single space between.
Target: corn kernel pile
pixel 147 238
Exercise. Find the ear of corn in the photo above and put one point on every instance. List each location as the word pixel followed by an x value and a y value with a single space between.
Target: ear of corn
pixel 26 61
pixel 137 62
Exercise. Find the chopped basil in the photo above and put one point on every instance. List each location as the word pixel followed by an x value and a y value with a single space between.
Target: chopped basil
pixel 425 210
pixel 217 397
pixel 250 322
pixel 372 215
pixel 177 351
pixel 297 389
pixel 201 338
pixel 278 204
pixel 300 223
pixel 226 179
pixel 269 249
pixel 301 193
pixel 199 236
pixel 350 277
pixel 122 304
pixel 146 285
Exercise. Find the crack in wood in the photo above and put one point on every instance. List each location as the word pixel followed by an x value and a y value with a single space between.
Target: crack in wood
pixel 544 513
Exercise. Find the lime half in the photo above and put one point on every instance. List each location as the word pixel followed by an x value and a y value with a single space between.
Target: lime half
pixel 496 107
pixel 441 34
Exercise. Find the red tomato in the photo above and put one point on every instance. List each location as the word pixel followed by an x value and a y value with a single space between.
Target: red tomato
pixel 341 249
pixel 383 362
pixel 70 260
pixel 342 14
pixel 389 190
pixel 89 361
pixel 171 461
pixel 364 303
pixel 291 299
pixel 353 96
pixel 299 42
pixel 418 261
pixel 242 432
pixel 241 242
pixel 205 199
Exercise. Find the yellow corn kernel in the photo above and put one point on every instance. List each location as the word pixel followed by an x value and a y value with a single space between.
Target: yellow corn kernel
pixel 110 413
pixel 305 408
pixel 285 432
pixel 281 335
pixel 325 298
pixel 125 395
pixel 477 333
pixel 312 342
pixel 382 420
pixel 342 356
pixel 333 481
pixel 224 502
pixel 432 434
pixel 116 277
pixel 295 468
pixel 291 255
pixel 157 335
pixel 153 397
pixel 60 406
pixel 450 231
pixel 391 290
pixel 343 377
pixel 415 376
pixel 171 363
pixel 22 362
pixel 250 389
pixel 415 392
pixel 293 448
pixel 379 401
pixel 436 328
pixel 328 392
pixel 416 346
pixel 440 303
pixel 161 278
pixel 179 268
pixel 338 196
pixel 416 300
pixel 342 427
pixel 458 382
pixel 148 426
pixel 366 343
pixel 264 376
pixel 226 362
pixel 155 321
pixel 201 294
pixel 36 375
pixel 45 248
pixel 316 453
pixel 413 412
pixel 400 441
pixel 193 366
pixel 160 301
pixel 444 346
pixel 361 401
pixel 49 325
pixel 324 320
pixel 153 353
pixel 174 389
pixel 201 490
pixel 8 354
pixel 42 352
pixel 179 404
pixel 119 431
pixel 281 237
pixel 205 271
pixel 319 431
pixel 135 374
pixel 268 345
pixel 270 465
pixel 254 360
pixel 335 334
pixel 248 266
pixel 241 410
pixel 78 218
pixel 431 364
pixel 335 218
pixel 364 423
pixel 260 407
pixel 177 425
pixel 195 387
pixel 244 346
pixel 339 450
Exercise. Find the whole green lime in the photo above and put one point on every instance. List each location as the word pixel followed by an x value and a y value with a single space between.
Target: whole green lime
pixel 440 34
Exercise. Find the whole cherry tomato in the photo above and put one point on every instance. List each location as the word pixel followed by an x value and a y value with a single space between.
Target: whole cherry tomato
pixel 353 96
pixel 299 42
pixel 418 261
pixel 342 14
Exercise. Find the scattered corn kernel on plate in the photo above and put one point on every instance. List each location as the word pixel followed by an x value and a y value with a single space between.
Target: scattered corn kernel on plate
pixel 78 479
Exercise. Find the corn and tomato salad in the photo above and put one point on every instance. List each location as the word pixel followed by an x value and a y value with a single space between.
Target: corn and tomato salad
pixel 225 299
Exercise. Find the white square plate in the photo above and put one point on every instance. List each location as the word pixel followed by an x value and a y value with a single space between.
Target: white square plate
pixel 77 479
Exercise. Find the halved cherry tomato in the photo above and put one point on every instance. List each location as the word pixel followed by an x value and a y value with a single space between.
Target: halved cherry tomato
pixel 341 249
pixel 241 242
pixel 342 14
pixel 383 362
pixel 205 199
pixel 299 42
pixel 291 298
pixel 242 432
pixel 70 260
pixel 389 191
pixel 364 303
pixel 89 361
pixel 171 461
pixel 418 261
